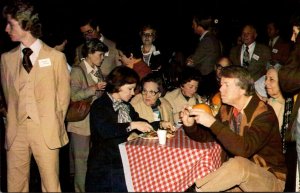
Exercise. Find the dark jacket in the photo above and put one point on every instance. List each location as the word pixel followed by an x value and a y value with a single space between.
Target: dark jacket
pixel 258 62
pixel 289 80
pixel 105 168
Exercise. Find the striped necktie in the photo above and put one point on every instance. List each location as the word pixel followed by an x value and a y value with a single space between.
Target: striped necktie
pixel 246 57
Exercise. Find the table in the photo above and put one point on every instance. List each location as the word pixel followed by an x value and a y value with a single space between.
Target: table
pixel 174 167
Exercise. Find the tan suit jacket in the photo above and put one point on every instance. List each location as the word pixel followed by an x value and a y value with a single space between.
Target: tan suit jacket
pixel 51 94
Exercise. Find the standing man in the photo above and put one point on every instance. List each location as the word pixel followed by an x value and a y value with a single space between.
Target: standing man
pixel 247 129
pixel 289 80
pixel 90 29
pixel 36 85
pixel 206 54
pixel 251 54
pixel 279 47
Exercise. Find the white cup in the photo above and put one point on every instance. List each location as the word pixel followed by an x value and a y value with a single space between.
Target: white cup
pixel 162 136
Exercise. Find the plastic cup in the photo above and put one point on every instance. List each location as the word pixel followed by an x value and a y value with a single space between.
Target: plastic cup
pixel 162 136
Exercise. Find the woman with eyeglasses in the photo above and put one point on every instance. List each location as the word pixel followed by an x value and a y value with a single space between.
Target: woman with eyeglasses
pixel 151 106
pixel 151 55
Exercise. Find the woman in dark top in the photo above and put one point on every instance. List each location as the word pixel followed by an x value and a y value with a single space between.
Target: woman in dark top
pixel 112 120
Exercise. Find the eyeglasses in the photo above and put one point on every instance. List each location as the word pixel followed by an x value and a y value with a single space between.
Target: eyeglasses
pixel 219 67
pixel 151 92
pixel 148 34
pixel 89 32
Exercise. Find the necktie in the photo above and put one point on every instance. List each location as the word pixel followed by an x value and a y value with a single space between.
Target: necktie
pixel 271 43
pixel 26 60
pixel 237 120
pixel 99 75
pixel 246 57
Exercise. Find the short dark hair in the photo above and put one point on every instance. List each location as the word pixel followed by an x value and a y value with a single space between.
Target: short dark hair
pixel 246 81
pixel 154 77
pixel 206 21
pixel 120 76
pixel 93 45
pixel 128 48
pixel 88 20
pixel 188 74
pixel 26 14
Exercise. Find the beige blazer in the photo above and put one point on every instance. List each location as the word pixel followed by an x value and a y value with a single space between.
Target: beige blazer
pixel 51 94
pixel 79 91
pixel 177 101
pixel 146 112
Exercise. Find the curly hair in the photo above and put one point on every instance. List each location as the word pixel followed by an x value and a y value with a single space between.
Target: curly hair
pixel 25 13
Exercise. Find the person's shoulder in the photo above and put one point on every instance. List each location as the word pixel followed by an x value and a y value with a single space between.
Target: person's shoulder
pixel 109 43
pixel 165 102
pixel 12 51
pixel 136 99
pixel 171 94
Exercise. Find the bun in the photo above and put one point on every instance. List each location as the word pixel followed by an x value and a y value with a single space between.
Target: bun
pixel 204 107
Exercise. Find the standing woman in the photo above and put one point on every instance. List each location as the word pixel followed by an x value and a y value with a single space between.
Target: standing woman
pixel 112 120
pixel 86 82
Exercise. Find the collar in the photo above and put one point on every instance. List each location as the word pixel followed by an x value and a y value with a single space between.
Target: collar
pixel 152 49
pixel 35 47
pixel 274 40
pixel 89 69
pixel 203 34
pixel 101 38
pixel 251 47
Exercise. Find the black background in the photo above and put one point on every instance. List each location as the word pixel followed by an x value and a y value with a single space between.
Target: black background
pixel 172 18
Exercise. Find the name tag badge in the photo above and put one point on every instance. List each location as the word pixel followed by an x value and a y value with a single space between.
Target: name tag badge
pixel 255 57
pixel 156 53
pixel 274 50
pixel 106 53
pixel 44 62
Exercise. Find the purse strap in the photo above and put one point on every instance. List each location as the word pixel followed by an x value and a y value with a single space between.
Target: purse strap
pixel 90 99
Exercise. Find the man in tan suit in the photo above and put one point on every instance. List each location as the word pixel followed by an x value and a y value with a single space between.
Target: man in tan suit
pixel 37 100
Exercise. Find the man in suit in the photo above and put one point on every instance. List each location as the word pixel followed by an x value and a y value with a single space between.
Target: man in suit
pixel 258 54
pixel 280 48
pixel 90 29
pixel 37 97
pixel 206 53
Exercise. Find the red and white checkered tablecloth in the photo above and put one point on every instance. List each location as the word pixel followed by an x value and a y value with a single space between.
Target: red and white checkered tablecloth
pixel 174 167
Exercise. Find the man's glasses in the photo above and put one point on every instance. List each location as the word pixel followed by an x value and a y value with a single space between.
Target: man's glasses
pixel 148 34
pixel 219 67
pixel 151 92
pixel 89 32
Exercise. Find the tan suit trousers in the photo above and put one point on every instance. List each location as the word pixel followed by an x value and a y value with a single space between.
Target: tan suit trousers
pixel 243 173
pixel 29 140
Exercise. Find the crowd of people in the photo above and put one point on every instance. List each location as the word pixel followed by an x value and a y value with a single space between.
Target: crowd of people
pixel 136 87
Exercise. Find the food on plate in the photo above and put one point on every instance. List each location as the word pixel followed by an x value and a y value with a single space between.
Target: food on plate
pixel 153 135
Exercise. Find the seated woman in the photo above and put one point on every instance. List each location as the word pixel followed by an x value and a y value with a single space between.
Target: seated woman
pixel 186 93
pixel 151 106
pixel 112 120
pixel 281 104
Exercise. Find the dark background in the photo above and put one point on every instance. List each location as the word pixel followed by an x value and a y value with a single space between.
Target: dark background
pixel 172 18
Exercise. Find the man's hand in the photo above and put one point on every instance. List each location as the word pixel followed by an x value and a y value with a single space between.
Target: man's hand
pixel 202 117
